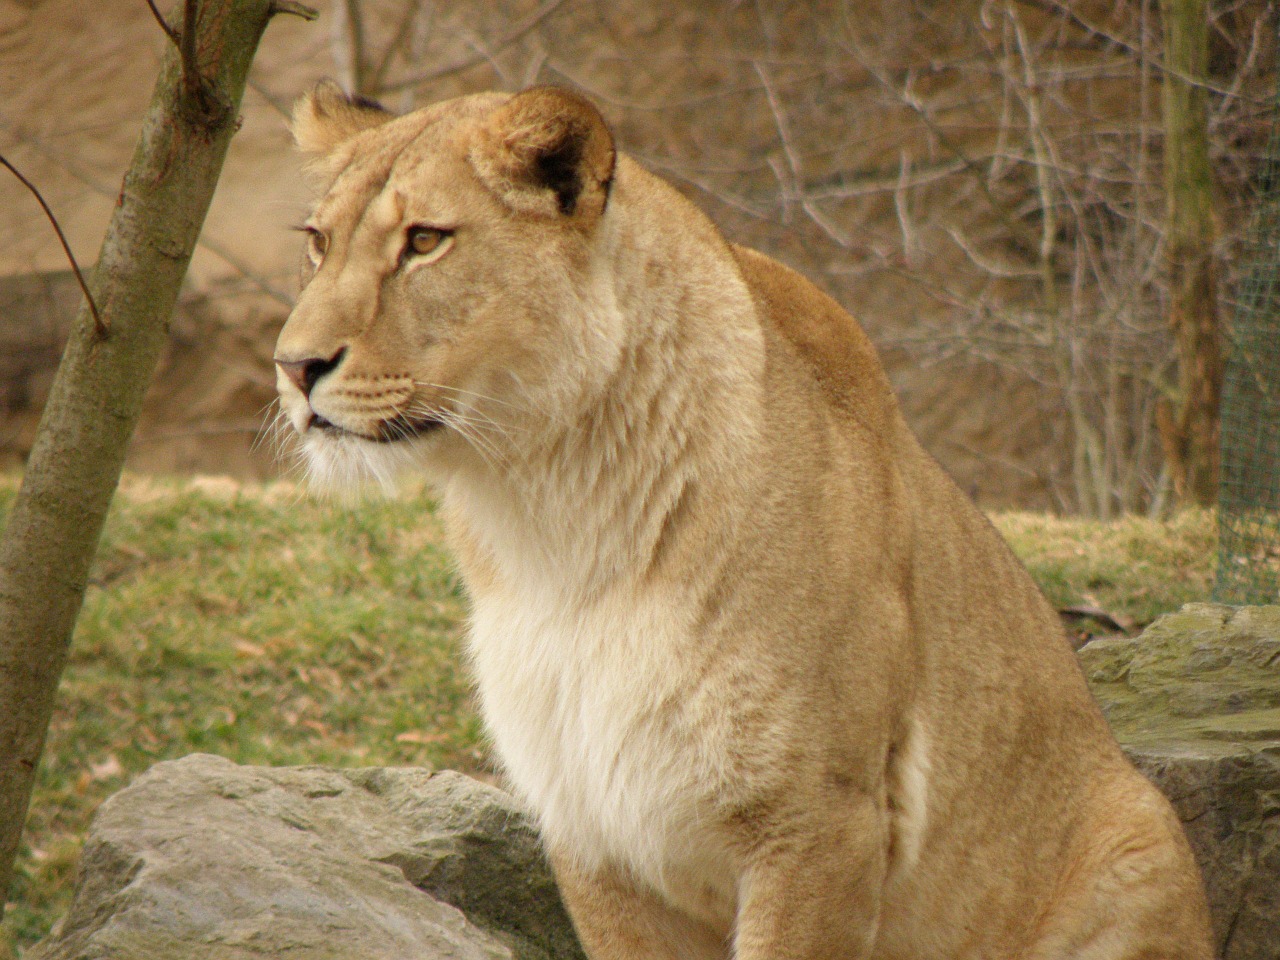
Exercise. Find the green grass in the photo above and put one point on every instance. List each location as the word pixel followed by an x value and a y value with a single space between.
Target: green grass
pixel 1134 568
pixel 259 624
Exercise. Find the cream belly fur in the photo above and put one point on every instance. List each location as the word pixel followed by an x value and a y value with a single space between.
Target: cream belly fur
pixel 773 687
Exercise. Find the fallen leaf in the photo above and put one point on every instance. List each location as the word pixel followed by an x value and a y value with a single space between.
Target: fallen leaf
pixel 107 769
pixel 247 649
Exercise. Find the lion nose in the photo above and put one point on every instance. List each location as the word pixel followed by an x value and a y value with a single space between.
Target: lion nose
pixel 305 373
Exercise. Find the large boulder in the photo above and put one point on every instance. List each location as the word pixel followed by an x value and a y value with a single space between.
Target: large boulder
pixel 1195 701
pixel 200 858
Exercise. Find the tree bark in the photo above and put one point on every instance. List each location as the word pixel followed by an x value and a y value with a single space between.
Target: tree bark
pixel 1189 426
pixel 75 464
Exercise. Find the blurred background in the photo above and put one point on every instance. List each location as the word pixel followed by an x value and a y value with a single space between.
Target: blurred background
pixel 980 182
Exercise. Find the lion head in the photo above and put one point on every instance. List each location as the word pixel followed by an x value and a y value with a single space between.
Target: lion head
pixel 450 285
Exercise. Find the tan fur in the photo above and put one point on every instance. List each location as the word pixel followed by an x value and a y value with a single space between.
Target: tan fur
pixel 773 687
pixel 325 118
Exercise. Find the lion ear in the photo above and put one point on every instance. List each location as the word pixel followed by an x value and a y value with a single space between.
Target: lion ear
pixel 547 152
pixel 326 118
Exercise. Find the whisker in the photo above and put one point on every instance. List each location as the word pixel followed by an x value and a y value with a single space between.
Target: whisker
pixel 465 393
pixel 472 416
pixel 268 434
pixel 471 425
pixel 473 419
pixel 477 440
pixel 281 440
pixel 481 444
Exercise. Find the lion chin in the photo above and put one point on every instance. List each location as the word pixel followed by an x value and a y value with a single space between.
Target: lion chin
pixel 772 685
pixel 349 467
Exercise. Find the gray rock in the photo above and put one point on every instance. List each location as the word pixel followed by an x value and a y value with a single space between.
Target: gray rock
pixel 1195 701
pixel 200 858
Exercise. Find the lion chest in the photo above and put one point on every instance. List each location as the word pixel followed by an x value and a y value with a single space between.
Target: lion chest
pixel 591 713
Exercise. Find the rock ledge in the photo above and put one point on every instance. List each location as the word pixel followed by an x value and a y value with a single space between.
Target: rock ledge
pixel 200 858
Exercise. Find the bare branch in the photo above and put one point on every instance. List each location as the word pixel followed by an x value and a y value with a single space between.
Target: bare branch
pixel 82 176
pixel 169 32
pixel 294 9
pixel 510 37
pixel 792 186
pixel 272 100
pixel 355 27
pixel 696 98
pixel 780 121
pixel 1043 152
pixel 864 184
pixel 683 173
pixel 986 264
pixel 100 326
pixel 274 292
pixel 477 43
pixel 789 180
pixel 902 207
pixel 534 67
pixel 1017 230
pixel 1245 68
pixel 398 39
pixel 1096 31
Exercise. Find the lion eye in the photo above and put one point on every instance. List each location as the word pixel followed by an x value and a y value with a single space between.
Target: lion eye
pixel 317 244
pixel 425 240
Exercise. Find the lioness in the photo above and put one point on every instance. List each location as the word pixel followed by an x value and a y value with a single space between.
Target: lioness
pixel 773 686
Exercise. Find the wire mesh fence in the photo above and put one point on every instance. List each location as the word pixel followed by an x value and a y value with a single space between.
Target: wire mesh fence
pixel 1248 569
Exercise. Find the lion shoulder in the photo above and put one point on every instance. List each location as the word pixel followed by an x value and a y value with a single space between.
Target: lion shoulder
pixel 830 344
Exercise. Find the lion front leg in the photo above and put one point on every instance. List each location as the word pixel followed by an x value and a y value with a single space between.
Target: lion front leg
pixel 813 889
pixel 617 919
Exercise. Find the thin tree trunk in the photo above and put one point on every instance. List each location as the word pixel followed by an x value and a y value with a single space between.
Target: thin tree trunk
pixel 1189 429
pixel 75 464
pixel 359 66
